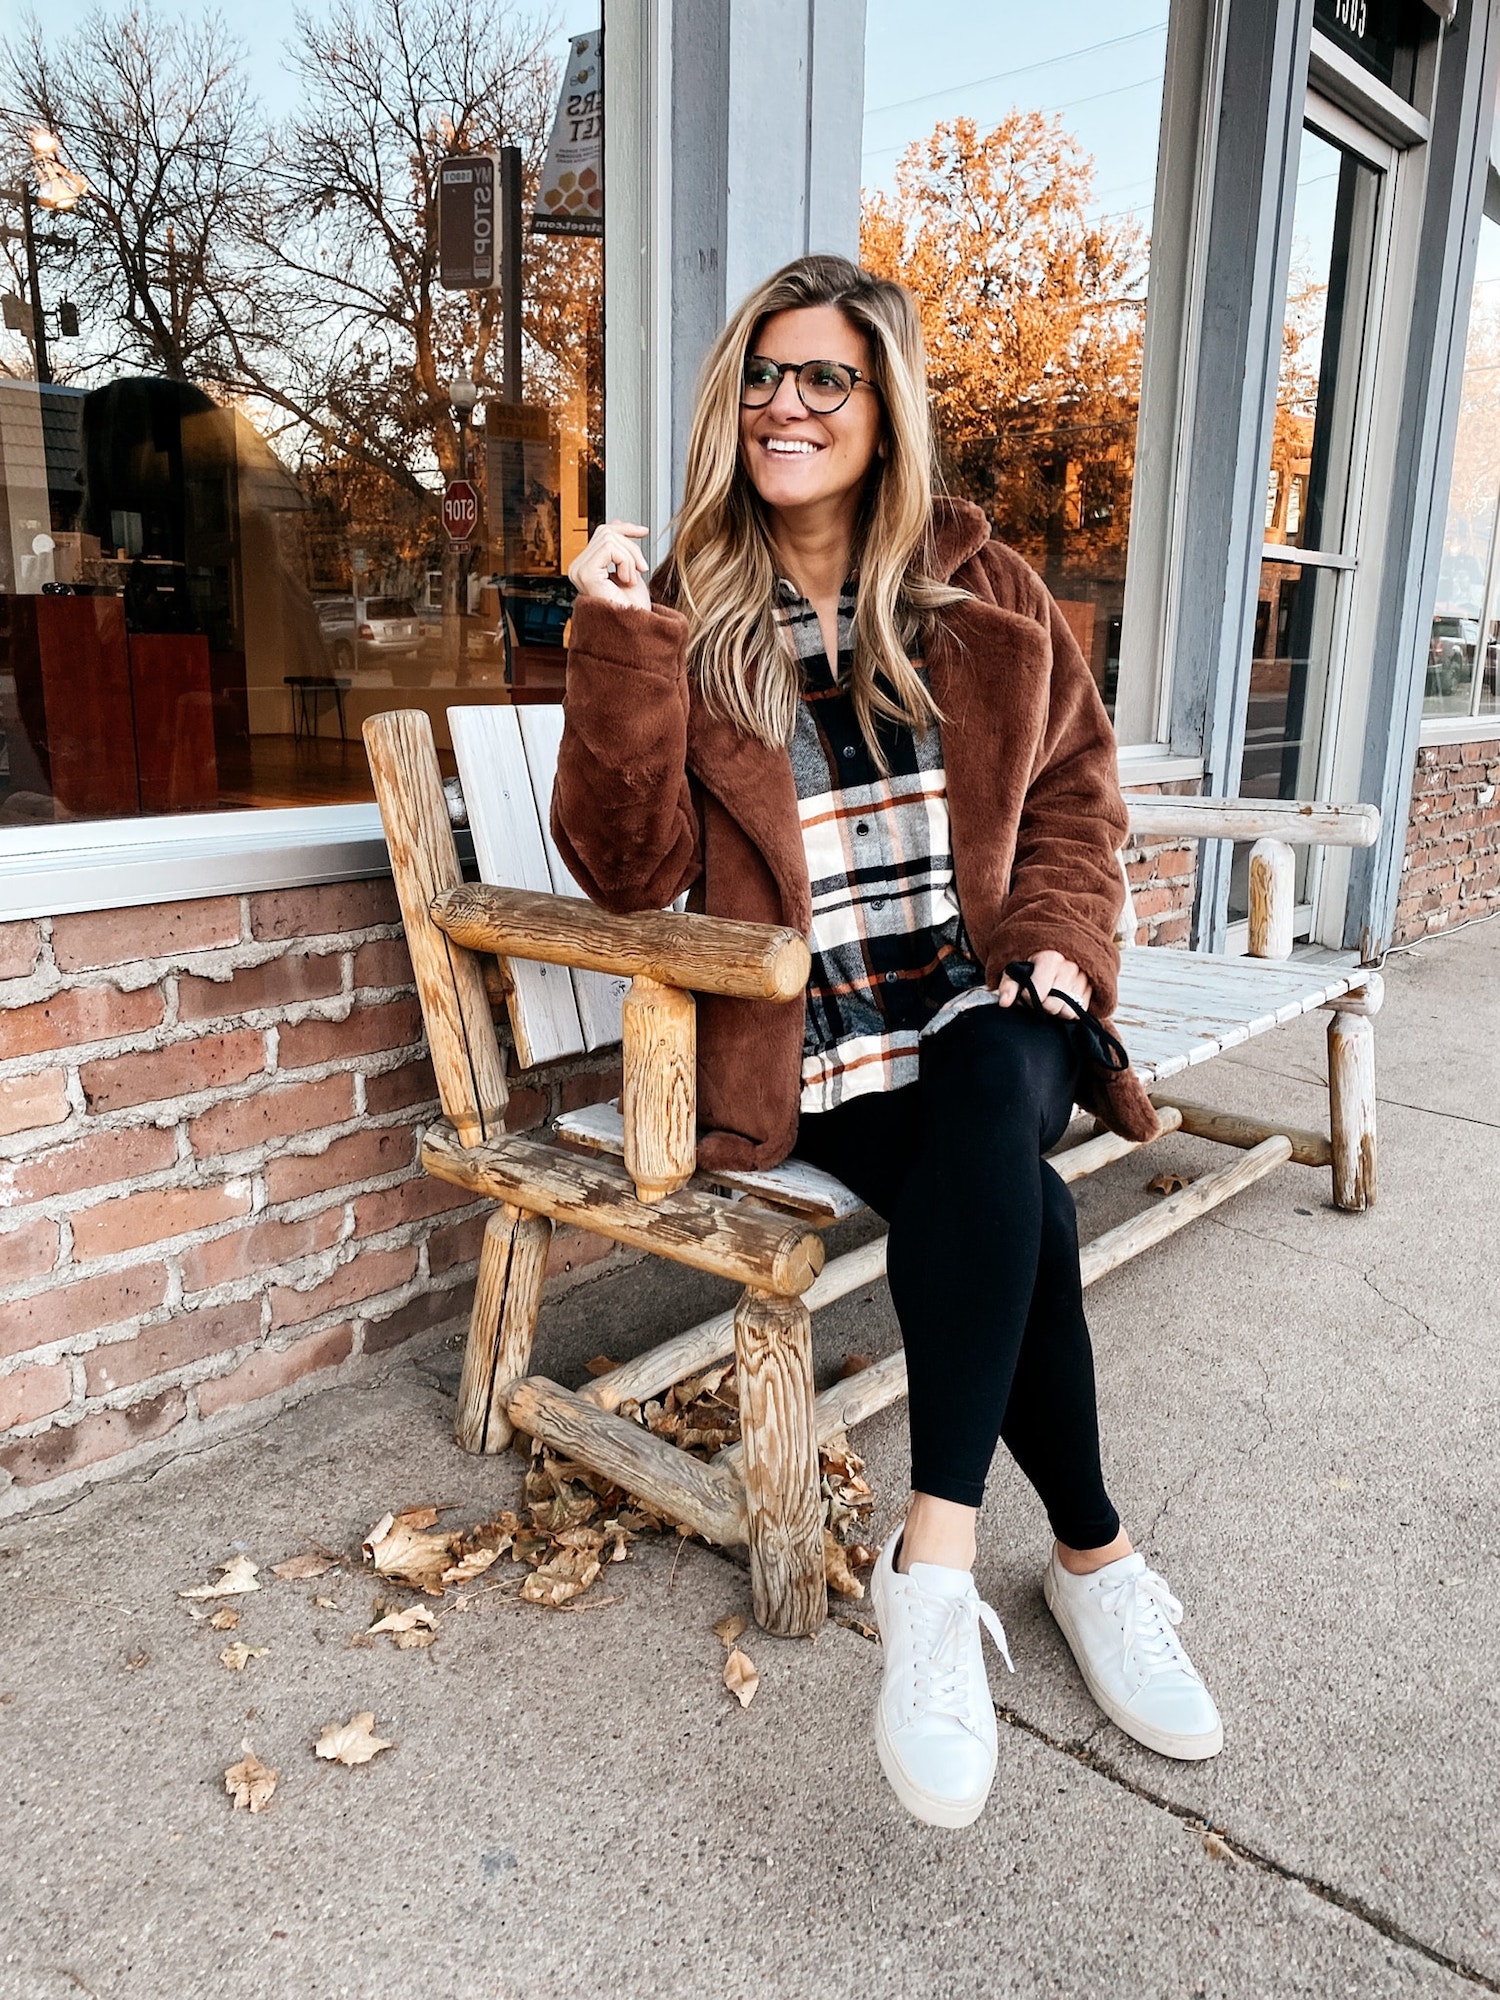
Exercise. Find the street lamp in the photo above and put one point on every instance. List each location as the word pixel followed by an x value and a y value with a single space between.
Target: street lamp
pixel 58 189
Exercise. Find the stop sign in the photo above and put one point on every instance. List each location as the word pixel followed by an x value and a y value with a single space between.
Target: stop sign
pixel 460 510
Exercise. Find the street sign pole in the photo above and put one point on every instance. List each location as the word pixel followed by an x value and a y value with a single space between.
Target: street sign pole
pixel 510 268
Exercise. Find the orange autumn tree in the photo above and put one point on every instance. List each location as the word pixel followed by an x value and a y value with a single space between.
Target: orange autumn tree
pixel 1033 316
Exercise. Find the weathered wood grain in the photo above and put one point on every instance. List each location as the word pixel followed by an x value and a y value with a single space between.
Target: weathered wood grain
pixel 659 1101
pixel 699 954
pixel 1230 1128
pixel 1351 1110
pixel 732 1239
pixel 450 985
pixel 697 1348
pixel 507 1299
pixel 1117 1246
pixel 1303 822
pixel 704 1498
pixel 510 852
pixel 1273 898
pixel 773 1357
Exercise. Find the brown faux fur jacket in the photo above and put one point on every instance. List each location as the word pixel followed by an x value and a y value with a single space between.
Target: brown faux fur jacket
pixel 655 796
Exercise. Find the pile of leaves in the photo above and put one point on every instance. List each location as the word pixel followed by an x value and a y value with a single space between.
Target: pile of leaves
pixel 702 1415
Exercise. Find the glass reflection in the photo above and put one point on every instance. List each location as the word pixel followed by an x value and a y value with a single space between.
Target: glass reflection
pixel 238 377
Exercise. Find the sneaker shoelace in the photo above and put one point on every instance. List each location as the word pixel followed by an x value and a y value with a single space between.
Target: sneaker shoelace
pixel 1150 1615
pixel 941 1646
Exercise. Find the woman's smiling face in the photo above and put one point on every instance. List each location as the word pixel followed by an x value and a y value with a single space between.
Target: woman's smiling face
pixel 795 458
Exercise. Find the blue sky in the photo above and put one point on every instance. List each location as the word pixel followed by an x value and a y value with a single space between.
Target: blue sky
pixel 1097 63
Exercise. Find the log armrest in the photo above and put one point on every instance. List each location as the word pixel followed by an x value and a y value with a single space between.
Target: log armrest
pixel 1297 822
pixel 1276 826
pixel 696 954
pixel 667 957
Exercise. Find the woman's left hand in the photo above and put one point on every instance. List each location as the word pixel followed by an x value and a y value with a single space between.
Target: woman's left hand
pixel 1049 969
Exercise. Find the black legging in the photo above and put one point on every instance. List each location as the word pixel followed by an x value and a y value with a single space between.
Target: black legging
pixel 983 1260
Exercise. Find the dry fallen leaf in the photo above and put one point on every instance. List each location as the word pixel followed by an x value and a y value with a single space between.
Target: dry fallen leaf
pixel 404 1621
pixel 1168 1183
pixel 399 1548
pixel 236 1579
pixel 1216 1847
pixel 312 1564
pixel 250 1783
pixel 352 1742
pixel 854 1364
pixel 235 1656
pixel 468 1567
pixel 729 1628
pixel 135 1662
pixel 837 1569
pixel 601 1364
pixel 741 1677
pixel 564 1576
pixel 225 1620
pixel 326 1603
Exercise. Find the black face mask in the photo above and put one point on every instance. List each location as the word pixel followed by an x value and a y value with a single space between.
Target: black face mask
pixel 1103 1048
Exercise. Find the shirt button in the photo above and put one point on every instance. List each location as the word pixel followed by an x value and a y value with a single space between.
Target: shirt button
pixel 863 826
pixel 848 749
pixel 889 977
pixel 878 904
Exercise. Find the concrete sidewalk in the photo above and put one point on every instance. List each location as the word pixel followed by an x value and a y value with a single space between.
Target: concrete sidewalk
pixel 1299 1419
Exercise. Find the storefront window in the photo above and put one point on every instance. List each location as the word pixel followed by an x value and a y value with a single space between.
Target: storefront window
pixel 277 451
pixel 1461 672
pixel 1310 519
pixel 1009 173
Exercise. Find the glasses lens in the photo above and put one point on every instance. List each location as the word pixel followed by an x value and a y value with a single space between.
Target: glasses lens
pixel 824 385
pixel 761 381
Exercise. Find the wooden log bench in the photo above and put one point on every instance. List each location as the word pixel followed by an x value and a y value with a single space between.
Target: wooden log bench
pixel 577 978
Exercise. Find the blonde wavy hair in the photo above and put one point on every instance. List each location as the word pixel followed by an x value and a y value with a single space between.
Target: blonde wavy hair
pixel 722 571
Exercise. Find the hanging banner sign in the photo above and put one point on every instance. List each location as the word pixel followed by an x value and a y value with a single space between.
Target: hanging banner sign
pixel 467 211
pixel 570 199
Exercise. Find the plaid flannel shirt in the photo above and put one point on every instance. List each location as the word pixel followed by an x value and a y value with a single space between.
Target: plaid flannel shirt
pixel 890 959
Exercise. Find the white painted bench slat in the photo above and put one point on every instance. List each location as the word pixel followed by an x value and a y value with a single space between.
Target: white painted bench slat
pixel 599 997
pixel 508 846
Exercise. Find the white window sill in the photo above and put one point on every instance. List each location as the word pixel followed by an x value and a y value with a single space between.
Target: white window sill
pixel 52 871
pixel 56 870
pixel 1461 729
pixel 1155 764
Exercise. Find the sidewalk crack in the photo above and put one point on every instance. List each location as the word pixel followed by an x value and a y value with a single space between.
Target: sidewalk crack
pixel 1082 1752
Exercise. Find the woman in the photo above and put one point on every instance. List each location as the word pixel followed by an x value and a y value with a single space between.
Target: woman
pixel 842 706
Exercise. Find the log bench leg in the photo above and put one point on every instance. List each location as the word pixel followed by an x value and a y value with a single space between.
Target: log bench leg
pixel 1351 1109
pixel 507 1299
pixel 773 1352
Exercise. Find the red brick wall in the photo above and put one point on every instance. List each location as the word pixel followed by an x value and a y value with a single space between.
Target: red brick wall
pixel 1451 870
pixel 1162 876
pixel 209 1196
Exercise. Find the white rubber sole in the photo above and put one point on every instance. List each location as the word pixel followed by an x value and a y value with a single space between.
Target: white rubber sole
pixel 1165 1742
pixel 921 1804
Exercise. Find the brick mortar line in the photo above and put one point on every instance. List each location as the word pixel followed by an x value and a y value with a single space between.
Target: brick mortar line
pixel 132 975
pixel 179 1175
pixel 167 1035
pixel 229 1291
pixel 154 1457
pixel 190 1375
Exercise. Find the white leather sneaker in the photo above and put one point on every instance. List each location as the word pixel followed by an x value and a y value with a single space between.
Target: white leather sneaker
pixel 1121 1625
pixel 935 1721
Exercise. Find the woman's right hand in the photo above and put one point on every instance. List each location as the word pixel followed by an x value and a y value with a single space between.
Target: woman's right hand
pixel 612 567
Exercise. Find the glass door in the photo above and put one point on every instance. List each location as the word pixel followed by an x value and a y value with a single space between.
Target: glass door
pixel 1312 493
